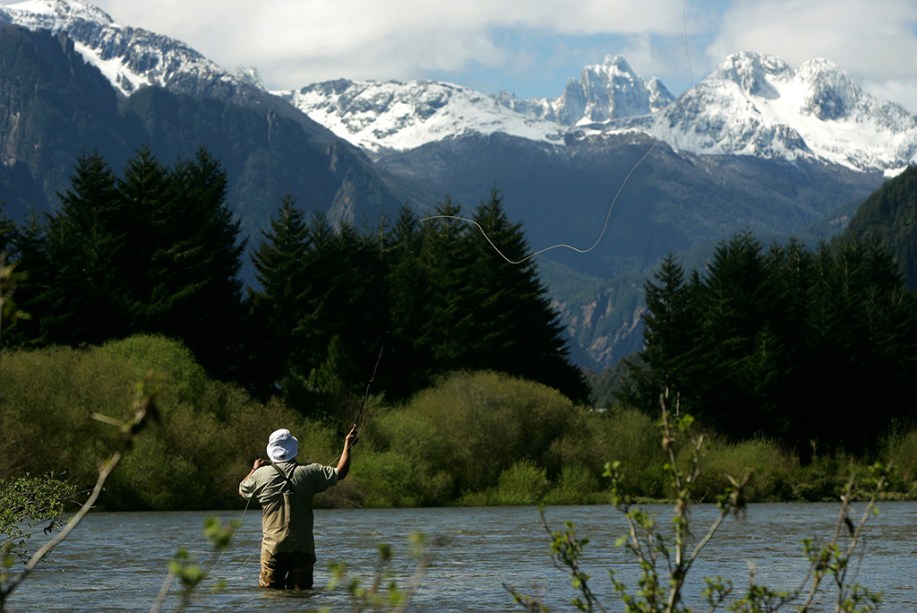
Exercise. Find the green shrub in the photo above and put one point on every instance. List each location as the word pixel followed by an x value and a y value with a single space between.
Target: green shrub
pixel 625 435
pixel 475 426
pixel 183 378
pixel 577 485
pixel 49 397
pixel 901 453
pixel 823 478
pixel 387 479
pixel 153 476
pixel 522 483
pixel 415 435
pixel 769 466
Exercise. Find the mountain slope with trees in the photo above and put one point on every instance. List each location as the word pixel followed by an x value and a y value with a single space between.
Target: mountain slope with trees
pixel 889 216
pixel 56 109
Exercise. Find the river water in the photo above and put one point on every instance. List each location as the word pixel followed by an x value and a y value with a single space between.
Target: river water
pixel 118 561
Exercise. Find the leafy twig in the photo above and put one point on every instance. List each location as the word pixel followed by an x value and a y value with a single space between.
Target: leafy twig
pixel 144 411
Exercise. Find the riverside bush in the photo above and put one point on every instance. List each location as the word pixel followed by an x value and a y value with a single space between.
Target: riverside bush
pixel 48 399
pixel 820 480
pixel 389 480
pixel 474 438
pixel 523 483
pixel 207 436
pixel 473 426
pixel 576 485
pixel 172 361
pixel 618 433
pixel 901 453
pixel 770 469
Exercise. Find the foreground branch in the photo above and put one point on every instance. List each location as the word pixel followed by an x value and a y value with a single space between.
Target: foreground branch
pixel 144 410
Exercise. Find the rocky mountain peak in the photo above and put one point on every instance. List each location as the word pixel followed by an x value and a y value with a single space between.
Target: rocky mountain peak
pixel 756 104
pixel 129 58
pixel 832 93
pixel 608 91
pixel 753 72
pixel 56 14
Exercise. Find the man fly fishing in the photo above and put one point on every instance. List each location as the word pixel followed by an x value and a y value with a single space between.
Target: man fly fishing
pixel 285 489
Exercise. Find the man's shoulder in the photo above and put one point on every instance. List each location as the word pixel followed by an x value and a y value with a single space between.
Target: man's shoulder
pixel 309 469
pixel 265 471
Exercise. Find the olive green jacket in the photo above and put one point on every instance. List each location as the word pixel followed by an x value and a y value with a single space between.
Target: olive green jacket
pixel 286 502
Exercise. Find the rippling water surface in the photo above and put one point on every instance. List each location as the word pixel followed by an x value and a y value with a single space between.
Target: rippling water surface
pixel 118 561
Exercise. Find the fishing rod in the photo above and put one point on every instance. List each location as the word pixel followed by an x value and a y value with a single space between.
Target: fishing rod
pixel 361 415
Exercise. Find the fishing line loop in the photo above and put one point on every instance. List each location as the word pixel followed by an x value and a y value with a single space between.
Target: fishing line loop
pixel 558 245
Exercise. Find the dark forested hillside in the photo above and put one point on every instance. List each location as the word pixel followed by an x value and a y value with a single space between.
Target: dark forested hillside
pixel 890 216
pixel 54 108
pixel 673 201
pixel 157 250
pixel 807 347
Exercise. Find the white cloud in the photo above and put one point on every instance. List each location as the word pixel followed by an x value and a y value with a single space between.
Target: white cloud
pixel 294 42
pixel 297 42
pixel 902 91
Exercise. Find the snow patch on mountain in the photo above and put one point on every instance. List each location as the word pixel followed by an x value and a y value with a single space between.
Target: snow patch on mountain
pixel 46 14
pixel 403 115
pixel 755 104
pixel 129 58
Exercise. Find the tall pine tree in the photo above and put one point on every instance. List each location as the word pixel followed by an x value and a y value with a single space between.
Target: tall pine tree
pixel 670 335
pixel 410 307
pixel 196 293
pixel 279 304
pixel 77 271
pixel 516 330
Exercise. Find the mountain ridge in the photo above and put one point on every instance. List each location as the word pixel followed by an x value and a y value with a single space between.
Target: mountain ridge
pixel 753 104
pixel 368 147
pixel 814 111
pixel 776 111
pixel 71 108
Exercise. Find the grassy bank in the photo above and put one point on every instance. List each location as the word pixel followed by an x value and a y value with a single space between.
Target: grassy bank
pixel 474 438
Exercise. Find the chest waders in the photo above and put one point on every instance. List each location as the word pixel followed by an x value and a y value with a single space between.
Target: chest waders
pixel 286 521
pixel 288 549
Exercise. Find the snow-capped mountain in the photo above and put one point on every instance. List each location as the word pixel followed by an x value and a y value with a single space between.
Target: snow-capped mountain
pixel 564 160
pixel 166 95
pixel 129 57
pixel 756 104
pixel 752 105
pixel 403 115
pixel 606 91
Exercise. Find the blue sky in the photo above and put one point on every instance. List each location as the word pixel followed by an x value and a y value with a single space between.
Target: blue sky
pixel 531 48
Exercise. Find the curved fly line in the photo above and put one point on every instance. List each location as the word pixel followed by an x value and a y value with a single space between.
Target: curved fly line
pixel 557 245
pixel 684 16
